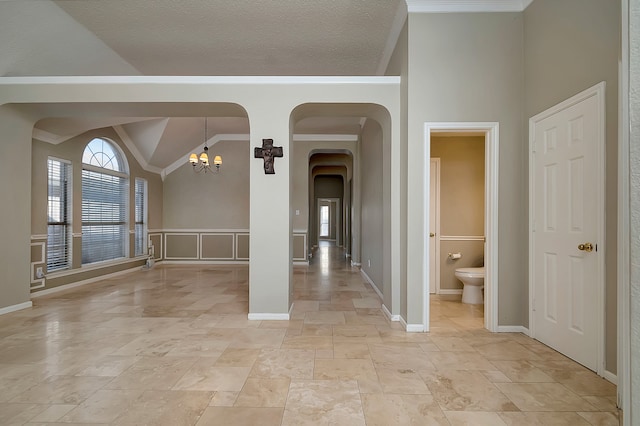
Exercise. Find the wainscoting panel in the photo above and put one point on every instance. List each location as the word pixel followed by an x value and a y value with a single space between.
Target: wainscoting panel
pixel 181 246
pixel 242 246
pixel 300 247
pixel 217 246
pixel 38 260
pixel 156 240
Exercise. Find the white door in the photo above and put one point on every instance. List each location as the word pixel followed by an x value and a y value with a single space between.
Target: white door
pixel 434 226
pixel 567 227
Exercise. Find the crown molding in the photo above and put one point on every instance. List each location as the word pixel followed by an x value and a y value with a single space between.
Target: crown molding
pixel 52 138
pixel 134 150
pixel 394 34
pixel 453 6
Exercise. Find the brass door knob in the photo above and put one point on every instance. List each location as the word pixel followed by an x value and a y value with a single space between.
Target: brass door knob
pixel 588 247
pixel 431 234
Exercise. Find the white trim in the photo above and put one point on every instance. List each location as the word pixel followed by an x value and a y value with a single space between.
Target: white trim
pixel 233 245
pixel 42 261
pixel 202 230
pixel 268 317
pixel 462 238
pixel 302 137
pixel 238 234
pixel 611 377
pixel 454 6
pixel 436 231
pixel 513 329
pixel 18 307
pixel 368 279
pixel 94 266
pixel 76 235
pixel 355 264
pixel 450 291
pixel 52 138
pixel 304 258
pixel 492 166
pixel 387 313
pixel 157 253
pixel 39 237
pixel 124 136
pixel 184 159
pixel 198 80
pixel 624 244
pixel 599 92
pixel 414 328
pixel 204 262
pixel 197 235
pixel 300 263
pixel 83 282
pixel 403 322
pixel 392 40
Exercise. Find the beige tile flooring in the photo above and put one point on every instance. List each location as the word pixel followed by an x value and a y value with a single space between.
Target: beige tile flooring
pixel 173 346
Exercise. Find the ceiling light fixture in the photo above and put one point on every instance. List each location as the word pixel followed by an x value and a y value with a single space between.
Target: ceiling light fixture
pixel 201 162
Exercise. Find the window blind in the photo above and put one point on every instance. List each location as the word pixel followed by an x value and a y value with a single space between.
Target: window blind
pixel 140 198
pixel 104 216
pixel 58 215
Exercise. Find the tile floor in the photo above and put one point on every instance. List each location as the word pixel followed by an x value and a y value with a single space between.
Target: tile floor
pixel 173 346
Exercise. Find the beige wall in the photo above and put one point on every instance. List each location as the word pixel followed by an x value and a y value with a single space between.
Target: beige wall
pixel 633 412
pixel 72 150
pixel 571 45
pixel 469 67
pixel 399 65
pixel 210 201
pixel 372 208
pixel 461 203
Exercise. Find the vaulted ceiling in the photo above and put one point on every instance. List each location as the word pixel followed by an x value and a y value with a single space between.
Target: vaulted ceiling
pixel 200 38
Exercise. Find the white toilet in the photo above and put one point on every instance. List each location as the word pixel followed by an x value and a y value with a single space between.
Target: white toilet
pixel 473 280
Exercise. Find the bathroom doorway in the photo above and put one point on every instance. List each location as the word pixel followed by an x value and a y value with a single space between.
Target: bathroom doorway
pixel 490 135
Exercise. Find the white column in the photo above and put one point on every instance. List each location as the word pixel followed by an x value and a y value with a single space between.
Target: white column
pixel 270 233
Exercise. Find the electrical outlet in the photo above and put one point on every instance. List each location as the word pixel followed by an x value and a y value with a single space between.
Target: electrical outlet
pixel 39 272
pixel 369 263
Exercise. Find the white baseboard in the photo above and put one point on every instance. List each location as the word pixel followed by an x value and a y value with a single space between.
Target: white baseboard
pixel 83 282
pixel 415 328
pixel 300 263
pixel 411 328
pixel 450 291
pixel 608 375
pixel 513 329
pixel 393 318
pixel 268 317
pixel 18 307
pixel 206 262
pixel 370 281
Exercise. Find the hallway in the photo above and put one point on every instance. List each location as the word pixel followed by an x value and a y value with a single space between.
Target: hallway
pixel 173 346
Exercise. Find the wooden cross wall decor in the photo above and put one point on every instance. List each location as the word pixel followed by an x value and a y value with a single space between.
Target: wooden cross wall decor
pixel 268 152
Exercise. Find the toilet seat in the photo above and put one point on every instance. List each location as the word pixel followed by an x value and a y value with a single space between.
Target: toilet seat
pixel 471 272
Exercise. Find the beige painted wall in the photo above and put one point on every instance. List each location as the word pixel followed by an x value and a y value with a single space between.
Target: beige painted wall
pixel 633 413
pixel 372 204
pixel 461 203
pixel 72 150
pixel 210 201
pixel 399 65
pixel 469 67
pixel 572 45
pixel 15 189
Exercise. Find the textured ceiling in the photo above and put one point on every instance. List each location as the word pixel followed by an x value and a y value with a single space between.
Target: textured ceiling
pixel 196 37
pixel 241 37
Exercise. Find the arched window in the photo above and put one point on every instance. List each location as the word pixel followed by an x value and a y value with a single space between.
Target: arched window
pixel 105 182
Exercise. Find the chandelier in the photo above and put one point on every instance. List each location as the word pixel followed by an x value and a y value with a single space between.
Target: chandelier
pixel 201 162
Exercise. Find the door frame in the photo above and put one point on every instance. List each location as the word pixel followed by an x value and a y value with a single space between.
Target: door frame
pixel 599 92
pixel 491 131
pixel 436 231
pixel 337 221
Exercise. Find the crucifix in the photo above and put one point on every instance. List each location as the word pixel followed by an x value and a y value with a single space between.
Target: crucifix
pixel 268 152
